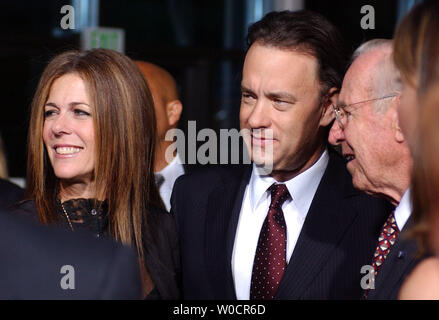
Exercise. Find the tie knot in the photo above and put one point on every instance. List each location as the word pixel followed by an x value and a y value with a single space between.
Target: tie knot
pixel 279 194
pixel 159 179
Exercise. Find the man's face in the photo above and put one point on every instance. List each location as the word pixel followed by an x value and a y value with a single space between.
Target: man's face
pixel 367 133
pixel 281 92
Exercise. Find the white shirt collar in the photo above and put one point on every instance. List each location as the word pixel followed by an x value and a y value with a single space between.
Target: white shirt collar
pixel 302 187
pixel 403 210
pixel 172 169
pixel 170 173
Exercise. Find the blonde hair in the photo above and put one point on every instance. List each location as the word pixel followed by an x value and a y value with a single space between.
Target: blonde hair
pixel 125 134
pixel 414 35
pixel 426 170
pixel 416 55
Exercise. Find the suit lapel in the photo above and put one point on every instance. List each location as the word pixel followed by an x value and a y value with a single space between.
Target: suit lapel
pixel 323 229
pixel 398 264
pixel 223 208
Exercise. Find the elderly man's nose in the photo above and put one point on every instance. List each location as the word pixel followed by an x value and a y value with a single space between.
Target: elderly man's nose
pixel 336 135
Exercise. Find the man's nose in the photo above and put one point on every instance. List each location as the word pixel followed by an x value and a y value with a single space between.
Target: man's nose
pixel 336 134
pixel 259 117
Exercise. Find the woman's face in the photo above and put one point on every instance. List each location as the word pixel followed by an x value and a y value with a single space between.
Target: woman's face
pixel 68 131
pixel 408 110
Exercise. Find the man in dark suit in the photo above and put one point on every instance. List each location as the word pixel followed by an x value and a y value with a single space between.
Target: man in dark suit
pixel 291 225
pixel 379 159
pixel 168 108
pixel 41 262
pixel 10 193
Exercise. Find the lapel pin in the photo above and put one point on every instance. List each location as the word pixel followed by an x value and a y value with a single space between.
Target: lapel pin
pixel 401 254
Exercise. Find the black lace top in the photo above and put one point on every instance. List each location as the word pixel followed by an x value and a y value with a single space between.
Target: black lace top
pixel 85 214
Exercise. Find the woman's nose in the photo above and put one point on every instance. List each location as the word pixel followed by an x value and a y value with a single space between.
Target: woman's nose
pixel 61 125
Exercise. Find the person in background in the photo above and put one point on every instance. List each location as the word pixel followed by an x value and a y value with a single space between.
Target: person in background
pixel 378 157
pixel 91 143
pixel 168 110
pixel 417 58
pixel 10 193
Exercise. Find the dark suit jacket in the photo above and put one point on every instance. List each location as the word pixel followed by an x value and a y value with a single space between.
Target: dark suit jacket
pixel 31 258
pixel 10 193
pixel 399 263
pixel 162 253
pixel 338 237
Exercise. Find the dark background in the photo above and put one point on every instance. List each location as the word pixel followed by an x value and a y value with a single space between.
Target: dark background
pixel 200 42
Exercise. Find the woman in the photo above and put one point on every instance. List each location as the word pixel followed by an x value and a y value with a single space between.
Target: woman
pixel 90 160
pixel 416 54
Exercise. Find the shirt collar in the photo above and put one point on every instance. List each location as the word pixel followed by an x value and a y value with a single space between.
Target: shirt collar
pixel 403 210
pixel 301 188
pixel 172 171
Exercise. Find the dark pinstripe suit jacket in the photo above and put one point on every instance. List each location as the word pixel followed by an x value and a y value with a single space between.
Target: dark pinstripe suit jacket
pixel 397 266
pixel 338 237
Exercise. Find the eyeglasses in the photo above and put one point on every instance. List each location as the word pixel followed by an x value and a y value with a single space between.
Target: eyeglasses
pixel 341 114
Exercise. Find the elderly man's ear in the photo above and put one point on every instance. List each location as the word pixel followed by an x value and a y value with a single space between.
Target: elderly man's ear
pixel 327 112
pixel 397 132
pixel 396 129
pixel 173 111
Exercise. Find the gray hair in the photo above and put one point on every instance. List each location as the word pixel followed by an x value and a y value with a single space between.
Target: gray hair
pixel 386 80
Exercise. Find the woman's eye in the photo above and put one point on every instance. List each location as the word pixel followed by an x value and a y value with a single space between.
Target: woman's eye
pixel 48 113
pixel 80 112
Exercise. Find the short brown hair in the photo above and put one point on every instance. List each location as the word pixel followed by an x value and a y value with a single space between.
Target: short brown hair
pixel 308 32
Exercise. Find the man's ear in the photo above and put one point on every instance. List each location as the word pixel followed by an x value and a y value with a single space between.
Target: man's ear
pixel 173 111
pixel 397 132
pixel 327 112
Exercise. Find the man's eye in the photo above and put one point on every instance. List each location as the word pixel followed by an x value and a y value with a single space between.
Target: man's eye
pixel 247 97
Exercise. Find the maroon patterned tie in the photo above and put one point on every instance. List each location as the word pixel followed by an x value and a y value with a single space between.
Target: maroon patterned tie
pixel 386 240
pixel 270 257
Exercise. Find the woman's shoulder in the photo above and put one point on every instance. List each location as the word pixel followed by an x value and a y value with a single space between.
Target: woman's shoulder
pixel 423 281
pixel 162 252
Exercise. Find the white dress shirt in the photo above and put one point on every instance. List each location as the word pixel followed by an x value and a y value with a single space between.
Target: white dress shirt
pixel 403 210
pixel 170 173
pixel 256 202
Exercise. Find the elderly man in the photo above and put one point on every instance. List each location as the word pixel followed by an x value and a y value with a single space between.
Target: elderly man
pixel 378 156
pixel 301 231
pixel 168 110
